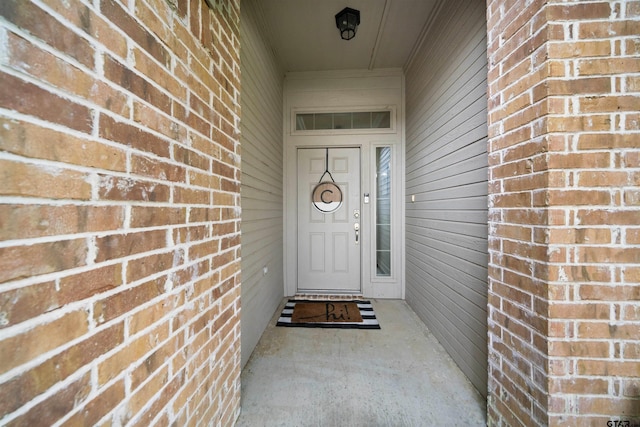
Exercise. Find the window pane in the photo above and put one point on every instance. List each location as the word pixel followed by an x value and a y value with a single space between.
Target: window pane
pixel 383 211
pixel 304 121
pixel 381 119
pixel 383 237
pixel 361 120
pixel 324 121
pixel 383 260
pixel 342 121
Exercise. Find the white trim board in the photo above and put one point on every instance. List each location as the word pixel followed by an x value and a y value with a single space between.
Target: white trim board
pixel 343 91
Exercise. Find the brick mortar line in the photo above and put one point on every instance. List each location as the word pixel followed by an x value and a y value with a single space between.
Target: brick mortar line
pixel 43 357
pixel 48 87
pixel 16 115
pixel 62 20
pixel 514 399
pixel 503 16
pixel 549 263
pixel 133 123
pixel 96 391
pixel 516 371
pixel 577 20
pixel 96 362
pixel 33 120
pixel 101 203
pixel 40 279
pixel 63 166
pixel 580 77
pixel 125 373
pixel 565 170
pixel 196 374
pixel 523 306
pixel 502 89
pixel 590 245
pixel 576 114
pixel 503 268
pixel 594 377
pixel 58 386
pixel 587 339
pixel 529 344
pixel 520 113
pixel 565 208
pixel 12 285
pixel 85 304
pixel 99 76
pixel 175 20
pixel 120 231
pixel 574 322
pixel 612 38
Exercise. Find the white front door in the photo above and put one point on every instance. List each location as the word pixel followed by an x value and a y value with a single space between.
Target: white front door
pixel 329 237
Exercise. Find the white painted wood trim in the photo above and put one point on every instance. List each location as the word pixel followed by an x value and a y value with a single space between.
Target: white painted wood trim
pixel 347 91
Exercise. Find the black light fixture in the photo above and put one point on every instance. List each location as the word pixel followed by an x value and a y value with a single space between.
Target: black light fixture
pixel 347 21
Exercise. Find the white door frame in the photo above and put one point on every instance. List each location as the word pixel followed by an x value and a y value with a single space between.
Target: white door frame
pixel 348 91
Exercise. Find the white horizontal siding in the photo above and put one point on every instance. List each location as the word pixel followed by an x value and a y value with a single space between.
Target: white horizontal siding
pixel 446 172
pixel 262 185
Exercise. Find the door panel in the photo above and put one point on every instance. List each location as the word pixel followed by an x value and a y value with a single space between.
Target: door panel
pixel 328 252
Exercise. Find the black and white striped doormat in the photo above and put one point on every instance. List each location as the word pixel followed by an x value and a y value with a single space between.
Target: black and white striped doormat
pixel 333 311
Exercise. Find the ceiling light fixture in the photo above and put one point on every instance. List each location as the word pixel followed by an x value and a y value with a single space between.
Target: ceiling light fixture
pixel 347 21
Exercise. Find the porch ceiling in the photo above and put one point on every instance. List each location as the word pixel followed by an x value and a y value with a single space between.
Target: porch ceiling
pixel 305 37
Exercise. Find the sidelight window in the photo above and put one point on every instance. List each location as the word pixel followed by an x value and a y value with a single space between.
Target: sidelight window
pixel 383 211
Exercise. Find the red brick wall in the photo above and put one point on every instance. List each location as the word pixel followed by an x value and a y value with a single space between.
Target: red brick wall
pixel 564 102
pixel 119 212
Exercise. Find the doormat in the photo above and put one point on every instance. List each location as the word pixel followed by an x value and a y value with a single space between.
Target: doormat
pixel 354 314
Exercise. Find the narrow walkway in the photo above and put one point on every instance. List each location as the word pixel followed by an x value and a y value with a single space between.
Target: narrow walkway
pixel 397 376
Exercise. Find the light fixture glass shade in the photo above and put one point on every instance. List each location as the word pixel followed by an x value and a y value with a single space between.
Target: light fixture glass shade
pixel 347 21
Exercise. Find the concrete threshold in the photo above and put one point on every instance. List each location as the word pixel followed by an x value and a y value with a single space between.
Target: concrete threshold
pixel 396 376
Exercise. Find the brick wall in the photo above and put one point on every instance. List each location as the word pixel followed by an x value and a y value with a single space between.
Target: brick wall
pixel 564 128
pixel 119 212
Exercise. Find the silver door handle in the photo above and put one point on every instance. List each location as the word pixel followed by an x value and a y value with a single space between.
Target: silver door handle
pixel 356 227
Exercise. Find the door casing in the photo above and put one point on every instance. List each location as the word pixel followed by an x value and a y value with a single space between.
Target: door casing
pixel 348 91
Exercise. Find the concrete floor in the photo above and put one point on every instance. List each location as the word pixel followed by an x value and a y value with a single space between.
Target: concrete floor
pixel 397 376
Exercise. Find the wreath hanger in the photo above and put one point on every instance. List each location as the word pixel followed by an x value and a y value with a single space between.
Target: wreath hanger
pixel 326 195
pixel 326 167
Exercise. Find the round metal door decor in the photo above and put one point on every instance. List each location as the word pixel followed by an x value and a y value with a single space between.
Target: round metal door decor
pixel 327 197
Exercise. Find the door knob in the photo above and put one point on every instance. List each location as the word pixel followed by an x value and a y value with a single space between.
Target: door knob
pixel 356 227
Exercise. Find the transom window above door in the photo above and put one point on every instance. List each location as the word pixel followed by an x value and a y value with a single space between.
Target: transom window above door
pixel 344 121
